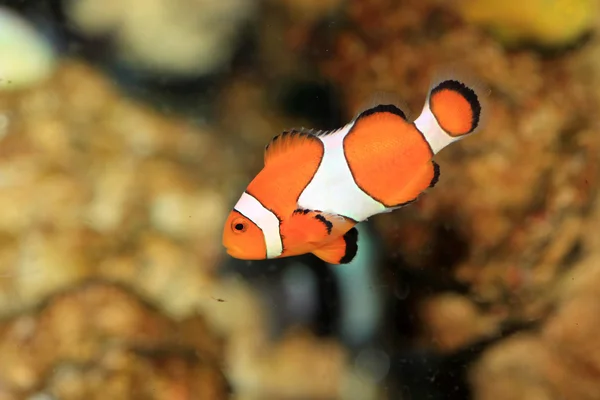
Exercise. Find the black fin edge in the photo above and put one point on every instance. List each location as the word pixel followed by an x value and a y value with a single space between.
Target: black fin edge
pixel 351 239
pixel 301 211
pixel 285 134
pixel 436 174
pixel 389 108
pixel 326 222
pixel 304 132
pixel 468 93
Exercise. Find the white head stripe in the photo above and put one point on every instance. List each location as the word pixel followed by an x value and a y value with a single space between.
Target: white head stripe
pixel 433 132
pixel 268 222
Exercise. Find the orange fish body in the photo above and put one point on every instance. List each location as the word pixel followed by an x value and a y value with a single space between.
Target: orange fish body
pixel 315 185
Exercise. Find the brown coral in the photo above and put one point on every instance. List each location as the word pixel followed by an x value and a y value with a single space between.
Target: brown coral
pixel 515 194
pixel 93 180
pixel 100 340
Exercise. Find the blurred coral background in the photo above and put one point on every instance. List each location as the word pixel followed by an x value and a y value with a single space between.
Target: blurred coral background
pixel 129 128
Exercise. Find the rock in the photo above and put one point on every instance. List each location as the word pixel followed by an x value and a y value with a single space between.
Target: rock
pixel 89 180
pixel 516 369
pixel 27 57
pixel 559 23
pixel 99 339
pixel 179 39
pixel 561 359
pixel 452 322
pixel 487 224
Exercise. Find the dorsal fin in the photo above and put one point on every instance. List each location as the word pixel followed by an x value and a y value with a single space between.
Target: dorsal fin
pixel 316 132
pixel 383 102
pixel 390 108
pixel 288 141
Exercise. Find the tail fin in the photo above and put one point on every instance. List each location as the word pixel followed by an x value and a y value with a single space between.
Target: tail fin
pixel 453 110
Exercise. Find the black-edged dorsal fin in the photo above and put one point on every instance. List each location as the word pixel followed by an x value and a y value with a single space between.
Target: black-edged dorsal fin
pixel 383 102
pixel 317 132
pixel 291 138
pixel 287 141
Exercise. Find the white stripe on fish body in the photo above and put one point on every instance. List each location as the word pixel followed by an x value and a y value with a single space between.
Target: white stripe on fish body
pixel 434 134
pixel 333 189
pixel 265 219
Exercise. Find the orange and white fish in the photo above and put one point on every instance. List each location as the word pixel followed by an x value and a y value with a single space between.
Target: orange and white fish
pixel 316 185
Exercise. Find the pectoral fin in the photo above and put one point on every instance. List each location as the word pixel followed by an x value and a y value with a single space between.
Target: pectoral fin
pixel 309 227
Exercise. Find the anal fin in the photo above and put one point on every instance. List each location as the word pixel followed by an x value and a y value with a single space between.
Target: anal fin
pixel 341 250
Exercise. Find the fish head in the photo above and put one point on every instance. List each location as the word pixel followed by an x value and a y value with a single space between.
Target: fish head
pixel 243 239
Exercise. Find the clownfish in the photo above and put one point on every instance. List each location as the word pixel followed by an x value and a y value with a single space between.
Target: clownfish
pixel 315 186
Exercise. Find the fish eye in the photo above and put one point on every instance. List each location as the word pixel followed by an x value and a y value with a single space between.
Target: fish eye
pixel 239 225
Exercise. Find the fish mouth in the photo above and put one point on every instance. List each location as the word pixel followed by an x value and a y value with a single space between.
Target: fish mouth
pixel 238 253
pixel 234 252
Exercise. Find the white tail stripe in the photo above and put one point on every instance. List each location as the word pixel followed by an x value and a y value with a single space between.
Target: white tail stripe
pixel 265 219
pixel 432 131
pixel 333 189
